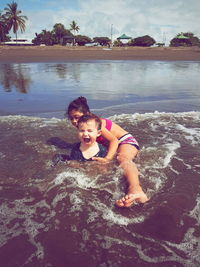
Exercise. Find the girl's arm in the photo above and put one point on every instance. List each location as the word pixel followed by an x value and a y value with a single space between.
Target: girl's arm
pixel 112 148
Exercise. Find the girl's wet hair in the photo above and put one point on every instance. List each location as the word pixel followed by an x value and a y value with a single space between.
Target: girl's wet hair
pixel 79 104
pixel 91 116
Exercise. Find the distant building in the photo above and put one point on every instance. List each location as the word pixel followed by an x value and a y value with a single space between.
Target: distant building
pixel 18 42
pixel 92 44
pixel 124 38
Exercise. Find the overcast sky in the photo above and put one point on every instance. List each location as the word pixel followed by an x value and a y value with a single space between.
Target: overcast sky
pixel 161 19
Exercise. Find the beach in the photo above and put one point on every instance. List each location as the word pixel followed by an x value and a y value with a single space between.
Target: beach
pixel 56 215
pixel 23 54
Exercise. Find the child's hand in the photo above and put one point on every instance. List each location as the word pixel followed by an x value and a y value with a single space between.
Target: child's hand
pixel 101 160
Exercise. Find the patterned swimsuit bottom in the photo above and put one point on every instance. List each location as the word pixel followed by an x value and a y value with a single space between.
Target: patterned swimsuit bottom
pixel 128 139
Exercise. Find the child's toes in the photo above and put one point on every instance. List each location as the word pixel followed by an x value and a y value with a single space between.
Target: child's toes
pixel 119 203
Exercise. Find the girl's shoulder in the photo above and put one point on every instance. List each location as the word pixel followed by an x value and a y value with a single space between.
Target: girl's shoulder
pixel 106 123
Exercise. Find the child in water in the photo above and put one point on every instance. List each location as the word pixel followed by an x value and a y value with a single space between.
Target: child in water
pixel 117 140
pixel 89 128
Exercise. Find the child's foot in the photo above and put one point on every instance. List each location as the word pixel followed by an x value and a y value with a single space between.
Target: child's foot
pixel 132 198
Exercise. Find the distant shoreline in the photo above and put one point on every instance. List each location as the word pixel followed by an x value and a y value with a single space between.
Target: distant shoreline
pixel 23 54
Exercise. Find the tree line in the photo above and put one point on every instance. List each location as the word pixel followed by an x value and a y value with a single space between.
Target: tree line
pixel 12 19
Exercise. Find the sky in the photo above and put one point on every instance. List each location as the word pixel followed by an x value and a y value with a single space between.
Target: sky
pixel 161 19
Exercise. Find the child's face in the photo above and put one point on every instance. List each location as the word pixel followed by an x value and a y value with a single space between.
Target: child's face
pixel 88 132
pixel 74 116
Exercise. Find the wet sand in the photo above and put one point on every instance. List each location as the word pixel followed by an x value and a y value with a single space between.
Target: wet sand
pixel 19 54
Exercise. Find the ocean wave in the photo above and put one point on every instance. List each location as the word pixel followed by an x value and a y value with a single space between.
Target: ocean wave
pixel 43 205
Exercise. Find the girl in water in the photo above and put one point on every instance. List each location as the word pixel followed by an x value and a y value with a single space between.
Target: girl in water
pixel 117 140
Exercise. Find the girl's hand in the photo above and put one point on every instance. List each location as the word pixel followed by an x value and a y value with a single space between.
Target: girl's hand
pixel 101 160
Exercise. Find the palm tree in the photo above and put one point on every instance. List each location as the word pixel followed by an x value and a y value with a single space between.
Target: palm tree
pixel 14 18
pixel 74 27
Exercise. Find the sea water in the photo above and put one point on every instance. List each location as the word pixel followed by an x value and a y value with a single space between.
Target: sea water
pixel 111 87
pixel 61 216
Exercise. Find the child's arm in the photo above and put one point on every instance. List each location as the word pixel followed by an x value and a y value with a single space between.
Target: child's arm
pixel 112 148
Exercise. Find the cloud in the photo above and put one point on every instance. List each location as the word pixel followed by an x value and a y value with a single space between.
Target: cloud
pixel 132 17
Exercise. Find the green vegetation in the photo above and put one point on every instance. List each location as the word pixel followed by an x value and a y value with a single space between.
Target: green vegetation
pixel 74 27
pixel 4 30
pixel 185 39
pixel 58 35
pixel 145 41
pixel 11 19
pixel 104 41
pixel 14 19
pixel 45 37
pixel 82 40
pixel 117 43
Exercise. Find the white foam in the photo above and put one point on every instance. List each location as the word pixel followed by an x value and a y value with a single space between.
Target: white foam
pixel 92 216
pixel 109 215
pixel 24 212
pixel 156 159
pixel 74 228
pixel 76 201
pixel 195 213
pixel 50 122
pixel 60 178
pixel 171 152
pixel 195 115
pixel 85 235
pixel 190 246
pixel 59 197
pixel 165 246
pixel 187 165
pixel 2 155
pixel 164 154
pixel 191 134
pixel 77 178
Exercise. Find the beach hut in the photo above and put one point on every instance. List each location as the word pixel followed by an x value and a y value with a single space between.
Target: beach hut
pixel 124 38
pixel 18 42
pixel 68 39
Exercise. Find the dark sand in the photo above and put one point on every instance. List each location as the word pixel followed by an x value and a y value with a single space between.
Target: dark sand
pixel 10 54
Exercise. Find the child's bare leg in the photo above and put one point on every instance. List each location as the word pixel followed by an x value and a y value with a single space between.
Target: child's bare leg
pixel 135 193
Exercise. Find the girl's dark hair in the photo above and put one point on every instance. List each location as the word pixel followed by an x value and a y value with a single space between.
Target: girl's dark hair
pixel 79 104
pixel 91 116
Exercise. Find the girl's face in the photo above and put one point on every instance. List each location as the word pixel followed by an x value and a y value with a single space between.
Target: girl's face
pixel 74 116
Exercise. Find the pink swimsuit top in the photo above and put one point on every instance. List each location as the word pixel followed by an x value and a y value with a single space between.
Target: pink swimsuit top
pixel 101 139
pixel 125 139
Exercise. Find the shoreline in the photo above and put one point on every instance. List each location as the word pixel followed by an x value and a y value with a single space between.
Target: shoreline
pixel 28 54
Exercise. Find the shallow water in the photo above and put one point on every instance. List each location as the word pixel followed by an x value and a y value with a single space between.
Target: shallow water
pixel 45 89
pixel 61 216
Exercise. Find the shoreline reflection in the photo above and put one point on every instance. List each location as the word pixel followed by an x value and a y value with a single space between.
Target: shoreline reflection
pixel 15 76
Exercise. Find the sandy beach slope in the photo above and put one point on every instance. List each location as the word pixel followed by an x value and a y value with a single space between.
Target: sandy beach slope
pixel 10 54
